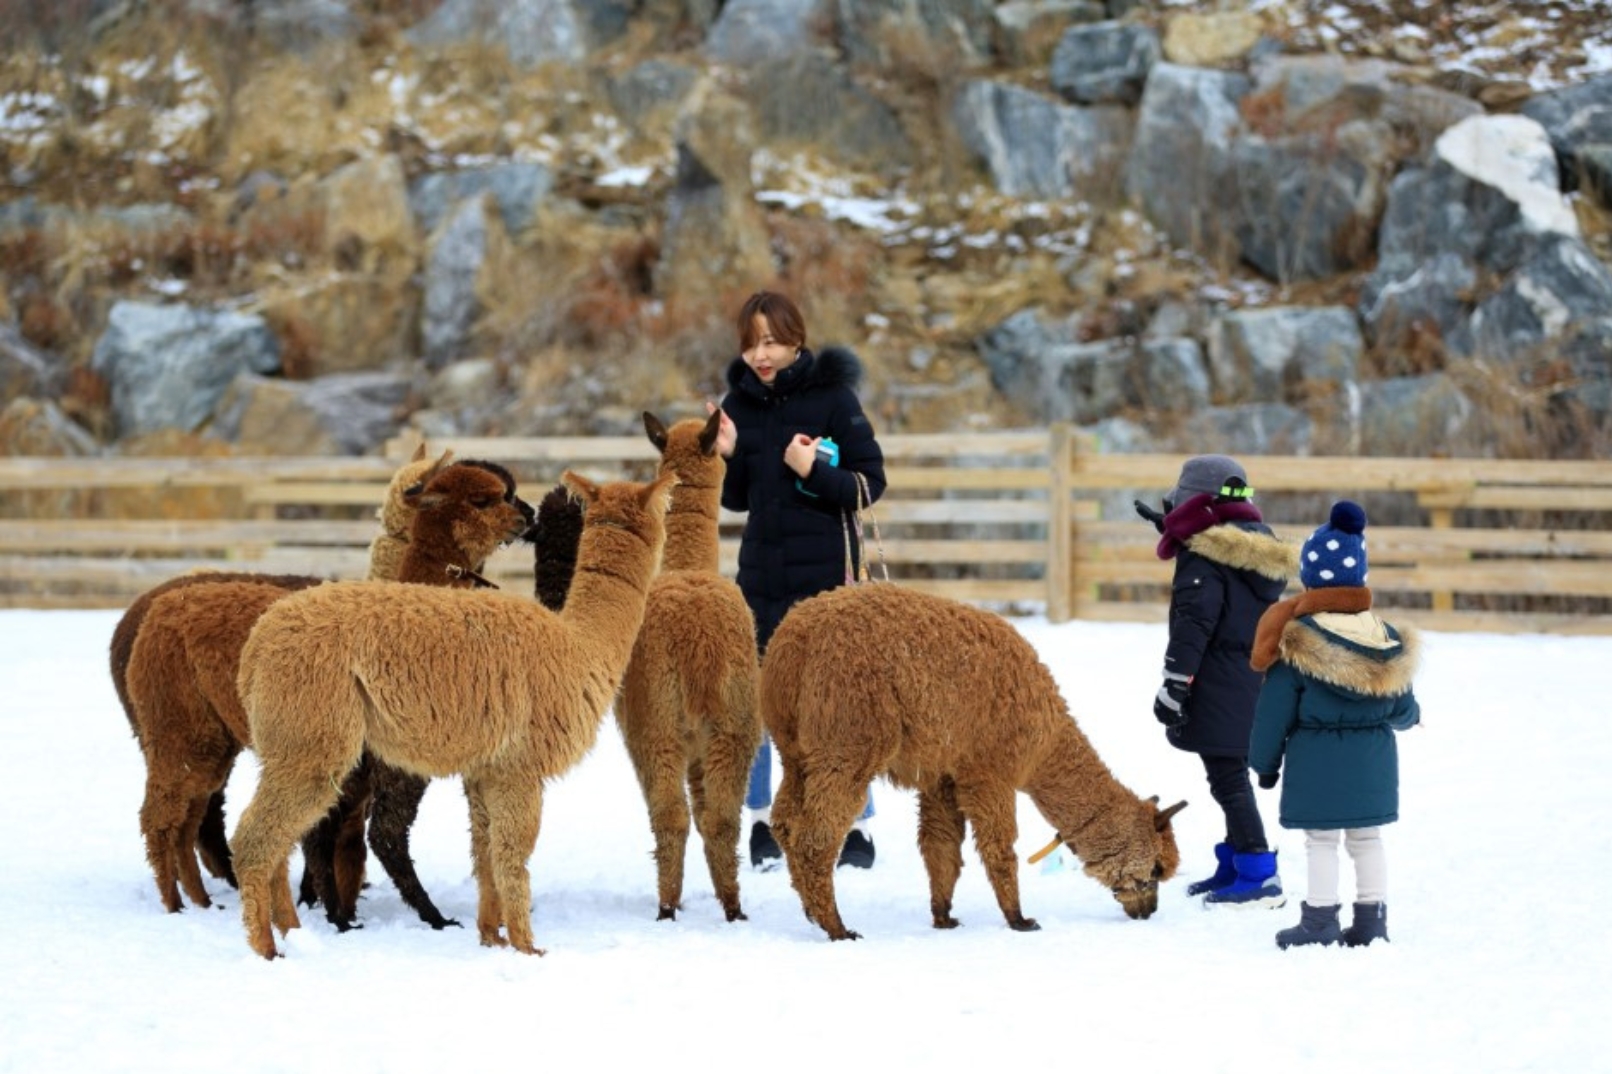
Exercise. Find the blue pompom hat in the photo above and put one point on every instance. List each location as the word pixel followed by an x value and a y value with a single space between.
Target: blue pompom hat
pixel 1335 554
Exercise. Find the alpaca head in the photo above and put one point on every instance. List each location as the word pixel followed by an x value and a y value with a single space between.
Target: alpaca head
pixel 1139 856
pixel 688 449
pixel 396 513
pixel 527 510
pixel 554 538
pixel 620 518
pixel 462 514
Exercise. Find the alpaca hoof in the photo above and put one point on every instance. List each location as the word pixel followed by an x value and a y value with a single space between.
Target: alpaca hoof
pixel 735 914
pixel 1024 924
pixel 347 925
pixel 667 913
pixel 847 934
pixel 440 923
pixel 946 921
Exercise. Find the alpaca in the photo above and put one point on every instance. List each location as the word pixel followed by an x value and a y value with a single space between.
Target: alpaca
pixel 554 537
pixel 687 709
pixel 476 682
pixel 179 679
pixel 951 701
pixel 396 514
pixel 454 521
pixel 211 842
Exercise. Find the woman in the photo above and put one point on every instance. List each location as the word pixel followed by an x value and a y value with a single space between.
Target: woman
pixel 784 402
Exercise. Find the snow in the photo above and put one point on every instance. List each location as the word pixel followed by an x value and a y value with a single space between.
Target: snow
pixel 1498 958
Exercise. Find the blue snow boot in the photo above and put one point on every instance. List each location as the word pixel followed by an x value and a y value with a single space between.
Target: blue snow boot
pixel 1317 925
pixel 1256 885
pixel 1225 872
pixel 1370 923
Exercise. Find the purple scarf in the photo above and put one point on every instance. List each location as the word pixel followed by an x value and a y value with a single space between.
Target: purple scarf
pixel 1198 514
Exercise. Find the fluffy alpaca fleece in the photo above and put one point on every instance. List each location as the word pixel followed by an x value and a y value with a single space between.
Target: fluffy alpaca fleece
pixel 210 842
pixel 179 690
pixel 438 682
pixel 687 709
pixel 554 537
pixel 458 515
pixel 396 514
pixel 951 701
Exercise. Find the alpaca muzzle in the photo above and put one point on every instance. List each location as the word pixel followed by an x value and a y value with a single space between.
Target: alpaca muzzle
pixel 1140 899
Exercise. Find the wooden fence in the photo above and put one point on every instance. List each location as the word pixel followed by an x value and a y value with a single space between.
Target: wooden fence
pixel 1020 521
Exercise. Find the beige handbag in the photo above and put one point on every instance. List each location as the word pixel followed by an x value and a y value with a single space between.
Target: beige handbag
pixel 856 540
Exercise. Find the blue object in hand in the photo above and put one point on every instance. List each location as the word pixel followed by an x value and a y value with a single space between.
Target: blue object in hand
pixel 828 454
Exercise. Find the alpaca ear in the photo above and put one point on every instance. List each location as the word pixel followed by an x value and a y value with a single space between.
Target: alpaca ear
pixel 580 487
pixel 660 490
pixel 419 452
pixel 713 425
pixel 1162 821
pixel 656 430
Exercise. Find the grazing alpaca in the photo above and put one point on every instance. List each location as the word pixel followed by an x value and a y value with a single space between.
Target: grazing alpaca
pixel 210 841
pixel 442 681
pixel 457 515
pixel 951 701
pixel 687 709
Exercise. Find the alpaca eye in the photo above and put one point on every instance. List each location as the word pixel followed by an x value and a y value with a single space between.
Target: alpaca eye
pixel 481 503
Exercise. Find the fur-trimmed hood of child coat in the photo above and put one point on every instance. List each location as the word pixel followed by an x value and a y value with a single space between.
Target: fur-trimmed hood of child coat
pixel 1226 575
pixel 1338 684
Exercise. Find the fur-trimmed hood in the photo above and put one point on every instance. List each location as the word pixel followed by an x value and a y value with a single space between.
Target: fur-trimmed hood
pixel 1333 636
pixel 1246 550
pixel 831 367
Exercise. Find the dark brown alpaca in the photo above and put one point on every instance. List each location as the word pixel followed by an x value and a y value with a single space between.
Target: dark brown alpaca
pixel 687 708
pixel 479 683
pixel 951 701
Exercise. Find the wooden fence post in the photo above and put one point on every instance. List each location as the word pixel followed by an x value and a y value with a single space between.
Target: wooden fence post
pixel 1060 522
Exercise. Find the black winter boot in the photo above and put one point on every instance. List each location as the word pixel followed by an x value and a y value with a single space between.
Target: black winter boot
pixel 858 850
pixel 1317 924
pixel 765 853
pixel 1370 923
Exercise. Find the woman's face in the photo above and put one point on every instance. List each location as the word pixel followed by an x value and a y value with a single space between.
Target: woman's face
pixel 768 357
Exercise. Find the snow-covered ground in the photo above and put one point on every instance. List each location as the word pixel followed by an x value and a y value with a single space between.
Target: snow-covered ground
pixel 1498 960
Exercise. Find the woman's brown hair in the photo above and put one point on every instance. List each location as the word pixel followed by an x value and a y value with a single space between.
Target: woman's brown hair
pixel 783 317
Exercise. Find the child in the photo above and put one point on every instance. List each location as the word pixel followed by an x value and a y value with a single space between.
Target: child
pixel 1337 687
pixel 1229 568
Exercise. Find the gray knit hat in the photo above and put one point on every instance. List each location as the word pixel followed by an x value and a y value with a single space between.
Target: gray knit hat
pixel 1205 473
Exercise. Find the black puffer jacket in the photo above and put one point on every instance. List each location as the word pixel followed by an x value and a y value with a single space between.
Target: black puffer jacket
pixel 1225 578
pixel 793 545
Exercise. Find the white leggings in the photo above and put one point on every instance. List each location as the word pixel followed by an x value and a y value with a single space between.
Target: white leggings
pixel 1365 848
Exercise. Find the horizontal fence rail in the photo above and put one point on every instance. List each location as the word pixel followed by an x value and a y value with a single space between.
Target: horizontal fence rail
pixel 1022 521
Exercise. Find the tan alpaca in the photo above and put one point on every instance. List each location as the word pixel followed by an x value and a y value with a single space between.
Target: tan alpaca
pixel 396 513
pixel 951 701
pixel 475 682
pixel 687 709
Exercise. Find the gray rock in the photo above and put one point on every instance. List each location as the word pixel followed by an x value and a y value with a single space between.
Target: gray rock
pixel 1433 303
pixel 811 99
pixel 1284 354
pixel 1104 63
pixel 532 31
pixel 458 250
pixel 1171 376
pixel 763 31
pixel 1179 166
pixel 25 370
pixel 169 365
pixel 518 188
pixel 1036 147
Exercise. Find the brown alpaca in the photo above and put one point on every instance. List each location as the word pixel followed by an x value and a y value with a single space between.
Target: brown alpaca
pixel 951 701
pixel 687 709
pixel 457 515
pixel 211 841
pixel 438 682
pixel 180 681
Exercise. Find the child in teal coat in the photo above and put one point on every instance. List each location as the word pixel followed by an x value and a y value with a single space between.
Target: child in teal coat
pixel 1337 687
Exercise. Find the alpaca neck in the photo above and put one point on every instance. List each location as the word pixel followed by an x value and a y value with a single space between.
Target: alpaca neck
pixel 1072 787
pixel 692 537
pixel 428 563
pixel 605 605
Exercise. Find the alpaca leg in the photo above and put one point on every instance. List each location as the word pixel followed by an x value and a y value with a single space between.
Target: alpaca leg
pixel 347 851
pixel 717 791
pixel 991 811
pixel 817 812
pixel 292 794
pixel 212 842
pixel 160 817
pixel 396 803
pixel 489 910
pixel 668 819
pixel 514 818
pixel 940 841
